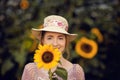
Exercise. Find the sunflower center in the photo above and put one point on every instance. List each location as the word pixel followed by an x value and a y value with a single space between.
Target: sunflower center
pixel 47 57
pixel 86 48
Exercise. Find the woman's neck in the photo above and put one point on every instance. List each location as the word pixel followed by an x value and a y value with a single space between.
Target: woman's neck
pixel 64 64
pixel 63 60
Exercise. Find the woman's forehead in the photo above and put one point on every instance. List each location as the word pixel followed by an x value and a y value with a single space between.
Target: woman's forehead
pixel 54 33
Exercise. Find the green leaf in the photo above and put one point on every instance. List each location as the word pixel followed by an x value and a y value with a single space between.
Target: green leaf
pixel 7 65
pixel 61 72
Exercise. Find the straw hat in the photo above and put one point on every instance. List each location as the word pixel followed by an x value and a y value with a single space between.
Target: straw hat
pixel 54 23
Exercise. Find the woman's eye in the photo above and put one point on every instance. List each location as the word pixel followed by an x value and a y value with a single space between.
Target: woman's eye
pixel 61 38
pixel 49 38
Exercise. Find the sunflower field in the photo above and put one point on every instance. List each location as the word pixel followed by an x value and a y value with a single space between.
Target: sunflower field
pixel 97 23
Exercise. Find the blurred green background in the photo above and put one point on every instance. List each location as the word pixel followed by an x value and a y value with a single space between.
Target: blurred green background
pixel 97 20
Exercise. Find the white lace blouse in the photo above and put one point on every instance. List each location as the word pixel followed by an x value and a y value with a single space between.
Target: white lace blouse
pixel 31 72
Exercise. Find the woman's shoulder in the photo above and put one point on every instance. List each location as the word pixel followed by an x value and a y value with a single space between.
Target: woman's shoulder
pixel 77 67
pixel 78 70
pixel 30 66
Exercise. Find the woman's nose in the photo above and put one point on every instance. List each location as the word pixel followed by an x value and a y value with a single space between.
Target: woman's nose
pixel 55 42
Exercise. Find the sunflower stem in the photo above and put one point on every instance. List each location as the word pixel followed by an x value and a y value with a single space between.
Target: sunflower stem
pixel 50 74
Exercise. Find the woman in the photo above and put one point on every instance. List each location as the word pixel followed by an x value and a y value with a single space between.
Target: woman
pixel 54 32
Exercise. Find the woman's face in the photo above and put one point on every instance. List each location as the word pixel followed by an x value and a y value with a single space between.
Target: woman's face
pixel 58 40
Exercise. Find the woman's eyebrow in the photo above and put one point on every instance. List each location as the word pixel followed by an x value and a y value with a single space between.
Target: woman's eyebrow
pixel 49 36
pixel 61 35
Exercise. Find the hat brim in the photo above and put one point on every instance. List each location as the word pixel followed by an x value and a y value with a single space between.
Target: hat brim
pixel 37 32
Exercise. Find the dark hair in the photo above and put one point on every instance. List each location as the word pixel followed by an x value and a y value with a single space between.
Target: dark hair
pixel 42 36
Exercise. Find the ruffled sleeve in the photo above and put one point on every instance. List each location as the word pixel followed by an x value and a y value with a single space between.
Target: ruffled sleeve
pixel 28 73
pixel 79 72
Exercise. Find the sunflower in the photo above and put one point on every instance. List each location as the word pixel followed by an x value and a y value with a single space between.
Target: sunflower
pixel 24 4
pixel 97 32
pixel 46 56
pixel 86 48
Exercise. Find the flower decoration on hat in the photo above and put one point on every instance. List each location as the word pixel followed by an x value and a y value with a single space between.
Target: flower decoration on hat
pixel 56 22
pixel 46 56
